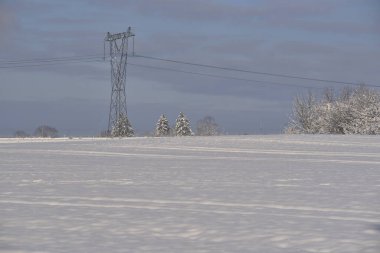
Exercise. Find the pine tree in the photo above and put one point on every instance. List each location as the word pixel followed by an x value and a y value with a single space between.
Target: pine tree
pixel 182 126
pixel 162 126
pixel 122 128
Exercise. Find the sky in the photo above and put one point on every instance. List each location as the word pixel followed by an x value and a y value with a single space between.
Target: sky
pixel 324 39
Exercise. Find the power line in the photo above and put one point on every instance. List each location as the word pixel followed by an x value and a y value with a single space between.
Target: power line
pixel 251 71
pixel 21 63
pixel 222 76
pixel 61 61
pixel 66 60
pixel 33 60
pixel 49 63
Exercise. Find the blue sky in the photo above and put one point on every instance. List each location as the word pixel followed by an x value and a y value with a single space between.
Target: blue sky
pixel 325 39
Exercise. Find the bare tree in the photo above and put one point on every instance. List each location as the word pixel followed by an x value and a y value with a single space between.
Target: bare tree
pixel 46 131
pixel 304 115
pixel 105 133
pixel 20 134
pixel 207 127
pixel 328 95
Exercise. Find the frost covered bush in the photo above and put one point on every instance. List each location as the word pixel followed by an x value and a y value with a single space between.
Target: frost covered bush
pixel 162 126
pixel 352 112
pixel 182 126
pixel 122 128
pixel 365 112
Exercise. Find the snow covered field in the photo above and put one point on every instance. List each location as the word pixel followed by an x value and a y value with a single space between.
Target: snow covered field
pixel 198 194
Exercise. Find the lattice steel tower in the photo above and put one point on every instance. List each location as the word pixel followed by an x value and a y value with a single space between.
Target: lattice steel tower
pixel 118 46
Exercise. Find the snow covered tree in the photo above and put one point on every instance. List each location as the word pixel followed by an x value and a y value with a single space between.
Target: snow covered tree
pixel 304 115
pixel 182 126
pixel 162 126
pixel 365 112
pixel 353 112
pixel 122 128
pixel 207 126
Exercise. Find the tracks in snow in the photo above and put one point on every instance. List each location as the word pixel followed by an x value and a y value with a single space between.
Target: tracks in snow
pixel 213 207
pixel 203 153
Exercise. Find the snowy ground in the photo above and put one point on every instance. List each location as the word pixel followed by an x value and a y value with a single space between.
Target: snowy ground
pixel 223 194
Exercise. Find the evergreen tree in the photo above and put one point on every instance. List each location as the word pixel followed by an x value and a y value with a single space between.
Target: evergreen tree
pixel 122 128
pixel 162 126
pixel 182 126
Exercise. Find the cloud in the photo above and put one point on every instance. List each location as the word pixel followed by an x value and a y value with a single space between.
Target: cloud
pixel 5 19
pixel 305 48
pixel 298 37
pixel 8 23
pixel 333 27
pixel 195 10
pixel 322 16
pixel 299 8
pixel 226 11
pixel 291 14
pixel 306 15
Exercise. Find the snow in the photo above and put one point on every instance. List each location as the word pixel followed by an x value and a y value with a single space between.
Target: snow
pixel 275 193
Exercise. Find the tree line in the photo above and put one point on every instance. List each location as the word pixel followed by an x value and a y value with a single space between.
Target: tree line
pixel 43 131
pixel 123 128
pixel 347 111
pixel 205 127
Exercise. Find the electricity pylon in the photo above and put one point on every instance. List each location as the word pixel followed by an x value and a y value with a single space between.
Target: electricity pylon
pixel 118 46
